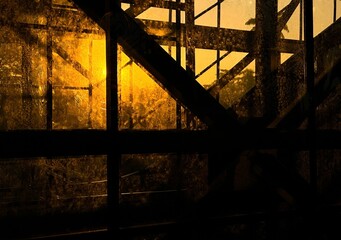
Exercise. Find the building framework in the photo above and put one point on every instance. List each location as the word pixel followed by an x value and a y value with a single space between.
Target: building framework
pixel 290 115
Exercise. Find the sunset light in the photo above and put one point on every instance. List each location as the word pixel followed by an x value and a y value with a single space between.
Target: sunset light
pixel 170 119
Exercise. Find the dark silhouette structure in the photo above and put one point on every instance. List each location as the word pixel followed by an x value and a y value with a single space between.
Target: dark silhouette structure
pixel 271 159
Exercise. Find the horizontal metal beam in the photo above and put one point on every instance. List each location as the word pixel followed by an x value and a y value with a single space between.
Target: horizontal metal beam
pixel 139 6
pixel 214 38
pixel 80 225
pixel 41 143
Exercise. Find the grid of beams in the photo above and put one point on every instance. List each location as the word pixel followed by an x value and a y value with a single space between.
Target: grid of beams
pixel 182 85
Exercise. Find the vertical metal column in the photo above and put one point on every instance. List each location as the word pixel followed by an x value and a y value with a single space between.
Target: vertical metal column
pixel 267 57
pixel 49 71
pixel 218 51
pixel 190 51
pixel 312 220
pixel 301 21
pixel 27 97
pixel 267 61
pixel 178 55
pixel 179 159
pixel 334 11
pixel 131 95
pixel 216 160
pixel 170 19
pixel 113 157
pixel 90 85
pixel 309 76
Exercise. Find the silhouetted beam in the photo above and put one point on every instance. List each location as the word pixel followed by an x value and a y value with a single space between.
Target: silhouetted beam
pixel 97 32
pixel 214 38
pixel 73 63
pixel 231 74
pixel 325 213
pixel 42 143
pixel 59 225
pixel 206 37
pixel 150 55
pixel 289 46
pixel 286 13
pixel 219 39
pixel 139 6
pixel 75 20
pixel 52 143
pixel 211 141
pixel 297 111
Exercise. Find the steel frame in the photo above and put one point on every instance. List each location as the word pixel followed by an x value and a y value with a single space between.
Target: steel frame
pixel 143 48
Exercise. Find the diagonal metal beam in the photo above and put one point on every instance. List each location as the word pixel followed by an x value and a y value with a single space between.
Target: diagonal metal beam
pixel 150 55
pixel 208 9
pixel 73 63
pixel 231 74
pixel 285 14
pixel 212 64
pixel 139 7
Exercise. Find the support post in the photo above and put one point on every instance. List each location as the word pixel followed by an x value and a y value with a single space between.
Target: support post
pixel 113 156
pixel 49 58
pixel 190 53
pixel 178 57
pixel 309 77
pixel 267 58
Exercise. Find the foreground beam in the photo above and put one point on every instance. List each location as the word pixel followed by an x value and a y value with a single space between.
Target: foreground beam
pixel 18 144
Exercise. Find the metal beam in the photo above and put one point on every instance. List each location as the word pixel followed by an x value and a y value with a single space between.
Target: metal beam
pixel 43 143
pixel 139 6
pixel 285 14
pixel 215 38
pixel 231 74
